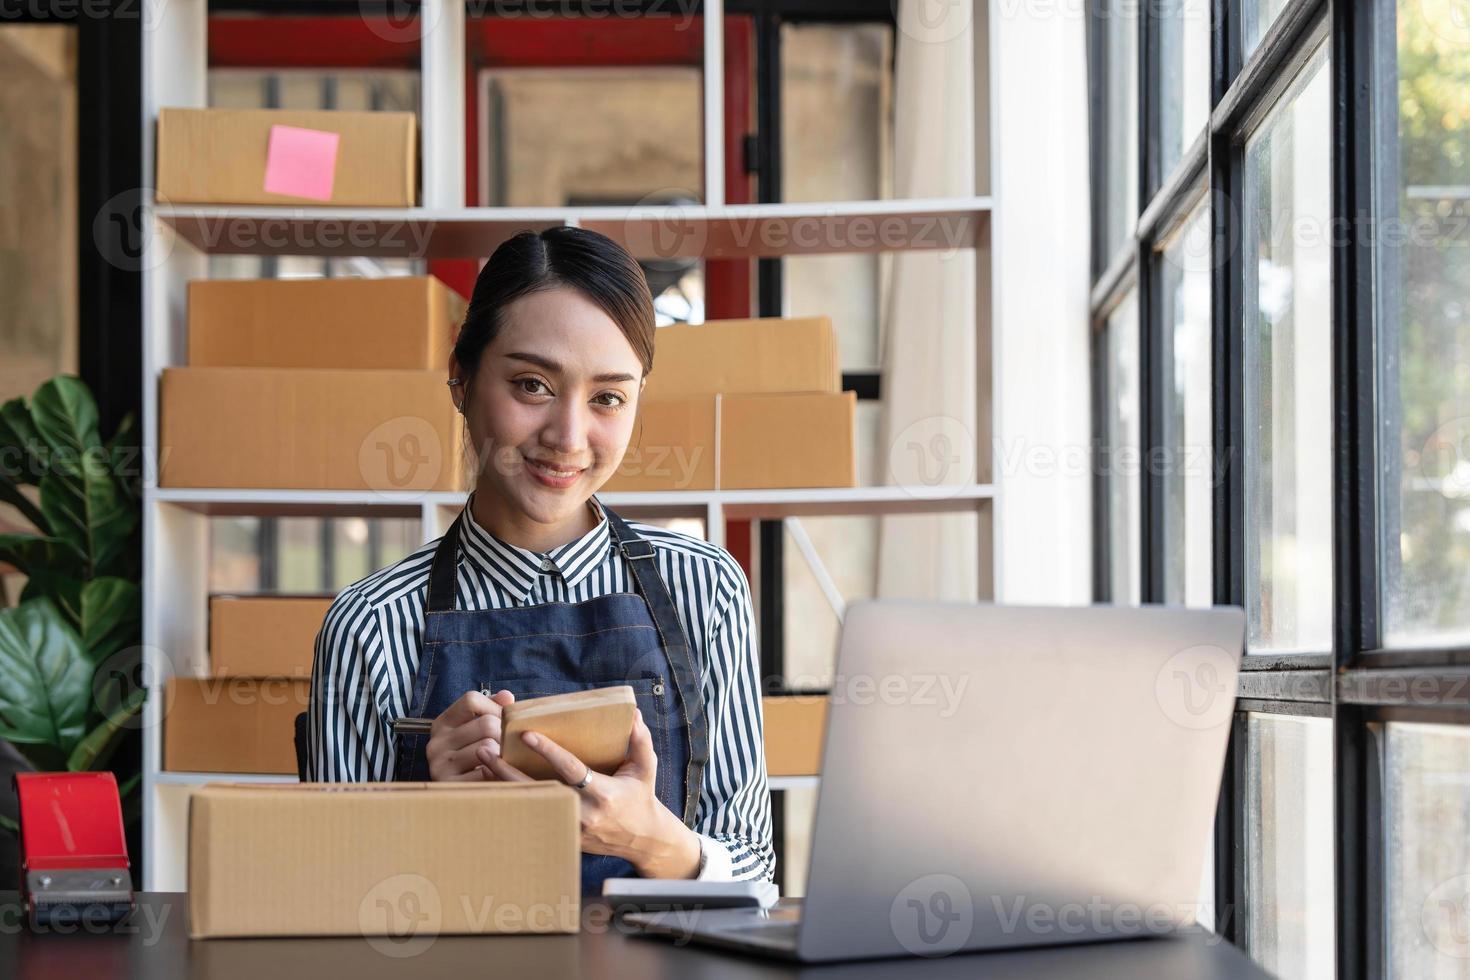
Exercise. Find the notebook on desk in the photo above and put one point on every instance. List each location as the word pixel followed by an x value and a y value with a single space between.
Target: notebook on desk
pixel 1000 769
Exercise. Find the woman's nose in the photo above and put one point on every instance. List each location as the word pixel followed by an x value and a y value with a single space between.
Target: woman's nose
pixel 566 431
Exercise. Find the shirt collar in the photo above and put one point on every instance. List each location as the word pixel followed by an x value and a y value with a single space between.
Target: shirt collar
pixel 517 569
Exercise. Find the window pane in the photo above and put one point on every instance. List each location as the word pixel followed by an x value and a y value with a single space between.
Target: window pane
pixel 1288 357
pixel 1426 388
pixel 1120 121
pixel 1184 77
pixel 1289 873
pixel 1427 825
pixel 837 145
pixel 1185 357
pixel 1122 454
pixel 1256 17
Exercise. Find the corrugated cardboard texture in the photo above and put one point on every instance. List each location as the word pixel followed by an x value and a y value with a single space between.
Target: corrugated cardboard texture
pixel 782 441
pixel 765 442
pixel 733 357
pixel 312 429
pixel 396 322
pixel 218 156
pixel 399 860
pixel 264 636
pixel 593 725
pixel 793 729
pixel 673 447
pixel 216 724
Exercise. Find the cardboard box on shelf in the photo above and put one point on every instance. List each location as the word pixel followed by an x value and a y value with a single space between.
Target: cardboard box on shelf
pixel 793 734
pixel 729 442
pixel 264 636
pixel 394 322
pixel 311 157
pixel 745 357
pixel 232 724
pixel 314 429
pixel 352 859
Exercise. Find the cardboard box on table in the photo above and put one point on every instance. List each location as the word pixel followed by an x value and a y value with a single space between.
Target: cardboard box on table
pixel 402 860
pixel 220 156
pixel 395 322
pixel 299 428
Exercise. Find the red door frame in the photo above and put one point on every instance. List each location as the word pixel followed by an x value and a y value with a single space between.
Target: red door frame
pixel 362 42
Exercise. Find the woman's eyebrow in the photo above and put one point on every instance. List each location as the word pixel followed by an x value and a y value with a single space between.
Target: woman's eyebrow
pixel 547 364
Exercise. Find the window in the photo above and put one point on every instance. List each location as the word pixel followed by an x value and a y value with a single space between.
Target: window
pixel 1189 471
pixel 1256 17
pixel 1289 913
pixel 1287 337
pixel 1183 78
pixel 1122 466
pixel 1120 163
pixel 1427 849
pixel 1425 526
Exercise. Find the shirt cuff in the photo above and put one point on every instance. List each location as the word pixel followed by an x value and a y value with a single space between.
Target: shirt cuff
pixel 714 861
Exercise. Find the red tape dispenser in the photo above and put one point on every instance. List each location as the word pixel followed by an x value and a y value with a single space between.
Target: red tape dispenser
pixel 73 855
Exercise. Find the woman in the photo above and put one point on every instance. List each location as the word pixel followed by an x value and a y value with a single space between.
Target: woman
pixel 539 588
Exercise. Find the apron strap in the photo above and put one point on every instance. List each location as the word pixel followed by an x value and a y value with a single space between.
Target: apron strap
pixel 639 555
pixel 441 573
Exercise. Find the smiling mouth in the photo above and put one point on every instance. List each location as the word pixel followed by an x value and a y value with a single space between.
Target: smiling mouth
pixel 560 474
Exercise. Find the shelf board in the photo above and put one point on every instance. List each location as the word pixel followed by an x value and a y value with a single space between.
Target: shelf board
pixel 648 231
pixel 741 504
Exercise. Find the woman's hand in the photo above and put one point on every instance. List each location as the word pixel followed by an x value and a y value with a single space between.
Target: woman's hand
pixel 621 813
pixel 464 729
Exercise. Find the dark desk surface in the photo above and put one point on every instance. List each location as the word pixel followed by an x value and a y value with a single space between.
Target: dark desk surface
pixel 154 943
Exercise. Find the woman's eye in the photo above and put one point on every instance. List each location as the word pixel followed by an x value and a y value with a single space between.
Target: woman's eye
pixel 528 385
pixel 615 400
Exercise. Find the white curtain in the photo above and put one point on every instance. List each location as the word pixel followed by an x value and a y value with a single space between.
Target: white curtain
pixel 929 426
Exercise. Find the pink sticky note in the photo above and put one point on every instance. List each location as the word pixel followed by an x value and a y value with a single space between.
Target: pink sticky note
pixel 301 162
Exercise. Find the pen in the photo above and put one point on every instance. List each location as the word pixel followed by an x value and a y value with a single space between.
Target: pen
pixel 412 726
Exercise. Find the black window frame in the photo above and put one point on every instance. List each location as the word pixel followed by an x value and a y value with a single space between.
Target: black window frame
pixel 1360 686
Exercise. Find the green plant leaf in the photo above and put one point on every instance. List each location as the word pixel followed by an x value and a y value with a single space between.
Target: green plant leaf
pixel 65 415
pixel 21 443
pixel 85 508
pixel 38 554
pixel 61 589
pixel 8 824
pixel 124 456
pixel 45 677
pixel 96 748
pixel 111 616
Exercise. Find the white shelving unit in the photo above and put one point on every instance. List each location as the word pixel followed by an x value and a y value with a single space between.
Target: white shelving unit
pixel 176 520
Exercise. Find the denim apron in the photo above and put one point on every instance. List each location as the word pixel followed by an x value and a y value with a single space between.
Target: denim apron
pixel 555 647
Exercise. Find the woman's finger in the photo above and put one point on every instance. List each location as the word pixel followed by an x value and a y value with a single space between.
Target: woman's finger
pixel 474 730
pixel 568 768
pixel 503 770
pixel 640 750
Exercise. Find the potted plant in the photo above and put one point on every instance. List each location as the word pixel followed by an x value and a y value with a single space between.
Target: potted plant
pixel 70 642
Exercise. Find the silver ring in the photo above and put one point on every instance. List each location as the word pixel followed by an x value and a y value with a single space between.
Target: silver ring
pixel 585 780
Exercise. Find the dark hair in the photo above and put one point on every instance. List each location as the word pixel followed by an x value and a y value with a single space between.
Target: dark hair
pixel 593 264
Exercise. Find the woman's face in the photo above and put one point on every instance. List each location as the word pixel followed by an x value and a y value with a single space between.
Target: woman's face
pixel 550 409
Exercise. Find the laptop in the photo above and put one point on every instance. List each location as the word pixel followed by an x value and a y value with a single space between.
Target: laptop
pixel 1003 776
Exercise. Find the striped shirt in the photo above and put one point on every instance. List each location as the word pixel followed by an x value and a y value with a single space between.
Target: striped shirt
pixel 368 652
